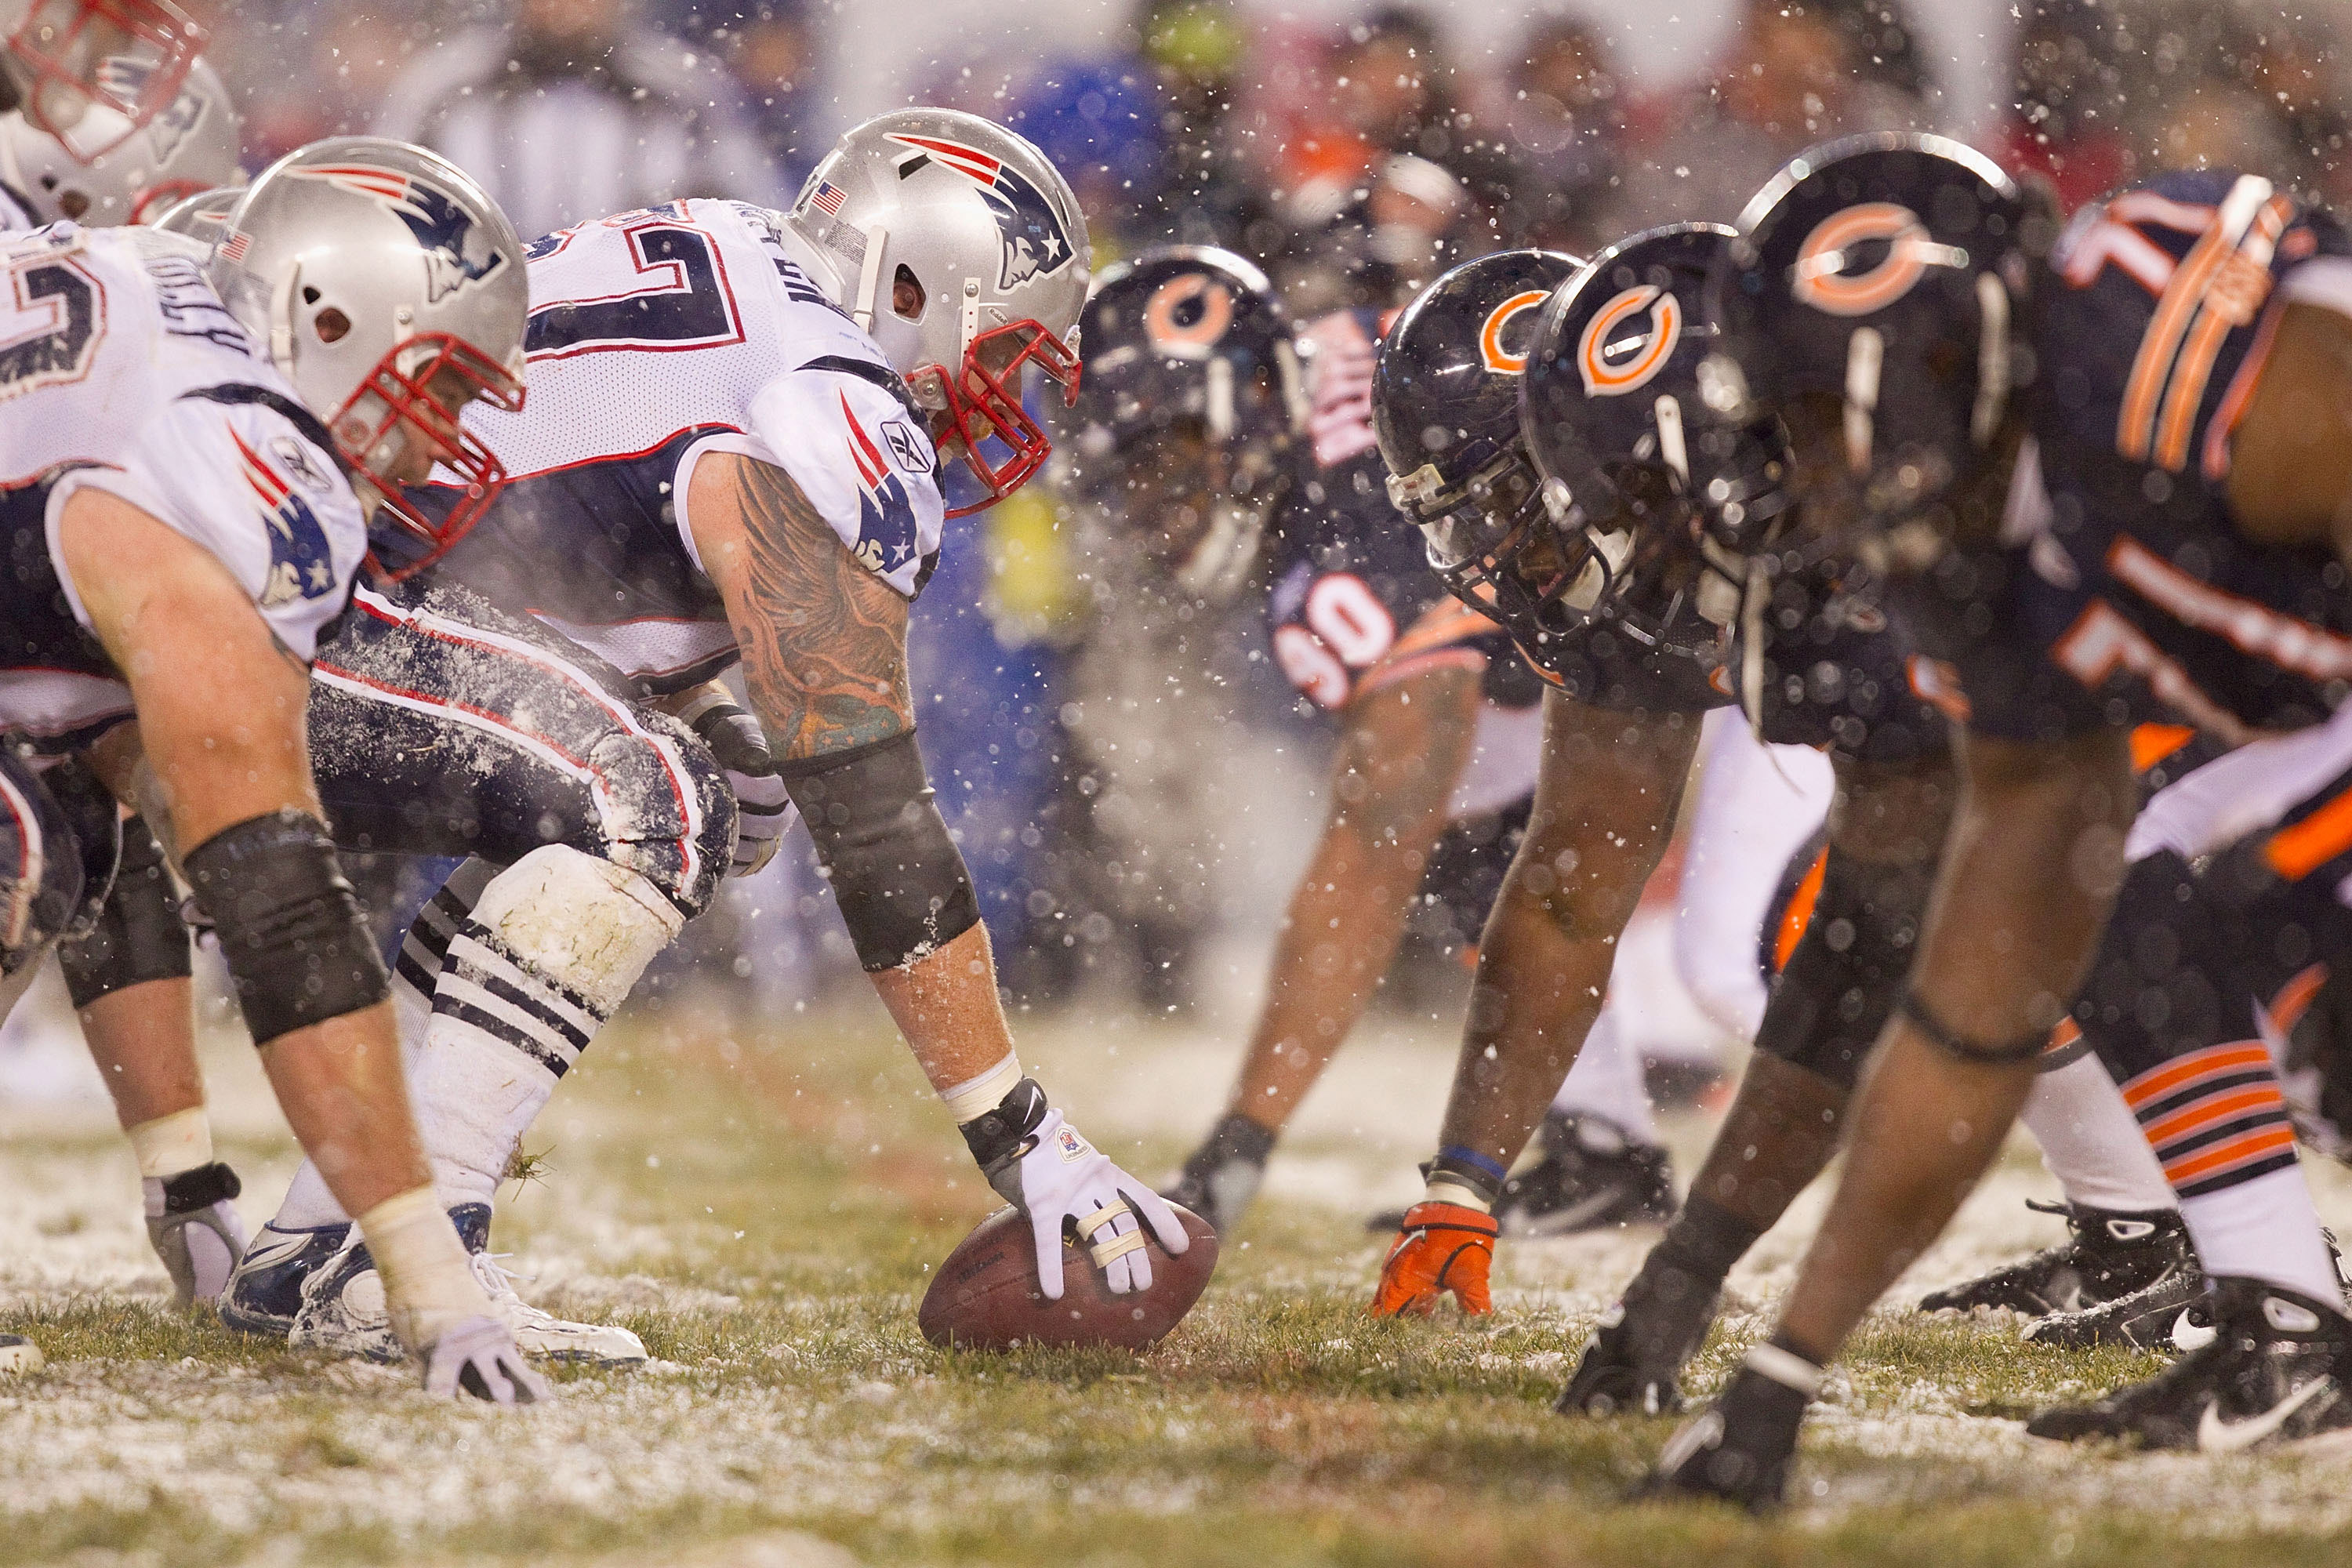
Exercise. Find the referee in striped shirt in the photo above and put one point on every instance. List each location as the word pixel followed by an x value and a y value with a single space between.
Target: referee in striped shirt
pixel 573 111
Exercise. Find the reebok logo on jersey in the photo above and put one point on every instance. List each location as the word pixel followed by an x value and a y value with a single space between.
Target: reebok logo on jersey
pixel 301 566
pixel 1035 242
pixel 456 252
pixel 886 515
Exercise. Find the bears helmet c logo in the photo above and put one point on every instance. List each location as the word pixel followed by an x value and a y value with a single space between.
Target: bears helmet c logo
pixel 1607 368
pixel 1187 315
pixel 1499 359
pixel 1820 276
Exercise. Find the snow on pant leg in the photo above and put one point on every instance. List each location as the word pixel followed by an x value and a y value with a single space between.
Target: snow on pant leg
pixel 1756 807
pixel 440 726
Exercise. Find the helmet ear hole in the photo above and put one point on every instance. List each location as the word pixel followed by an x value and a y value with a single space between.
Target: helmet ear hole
pixel 330 324
pixel 906 296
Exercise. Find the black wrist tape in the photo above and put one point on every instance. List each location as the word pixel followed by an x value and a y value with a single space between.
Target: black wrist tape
pixel 200 1188
pixel 901 881
pixel 139 936
pixel 997 1135
pixel 289 926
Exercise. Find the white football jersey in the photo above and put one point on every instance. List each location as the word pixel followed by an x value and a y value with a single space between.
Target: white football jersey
pixel 657 336
pixel 121 370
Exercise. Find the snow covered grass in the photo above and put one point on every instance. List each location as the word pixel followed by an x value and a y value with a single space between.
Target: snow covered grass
pixel 763 1211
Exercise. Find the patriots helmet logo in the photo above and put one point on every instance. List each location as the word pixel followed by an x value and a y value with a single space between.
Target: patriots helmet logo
pixel 886 514
pixel 122 78
pixel 301 564
pixel 456 251
pixel 1035 242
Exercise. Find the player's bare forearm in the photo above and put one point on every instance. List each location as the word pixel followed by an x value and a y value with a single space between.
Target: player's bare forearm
pixel 824 639
pixel 1403 753
pixel 1603 811
pixel 2028 880
pixel 945 1003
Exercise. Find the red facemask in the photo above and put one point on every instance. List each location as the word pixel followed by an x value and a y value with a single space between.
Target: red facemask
pixel 983 402
pixel 61 44
pixel 431 421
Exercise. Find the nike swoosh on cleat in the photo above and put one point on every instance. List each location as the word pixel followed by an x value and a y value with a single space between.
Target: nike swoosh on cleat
pixel 2188 1335
pixel 2215 1435
pixel 259 1256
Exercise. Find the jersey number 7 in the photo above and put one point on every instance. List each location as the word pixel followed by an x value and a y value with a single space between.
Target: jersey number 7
pixel 685 303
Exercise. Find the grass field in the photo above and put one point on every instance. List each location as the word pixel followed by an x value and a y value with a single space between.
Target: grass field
pixel 762 1211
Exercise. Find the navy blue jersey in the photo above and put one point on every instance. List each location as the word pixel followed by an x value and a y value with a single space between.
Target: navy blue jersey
pixel 2125 592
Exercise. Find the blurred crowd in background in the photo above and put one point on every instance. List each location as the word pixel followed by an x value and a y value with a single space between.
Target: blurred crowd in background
pixel 1128 773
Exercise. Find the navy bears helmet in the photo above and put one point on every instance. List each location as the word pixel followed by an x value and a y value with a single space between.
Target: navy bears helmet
pixel 1615 410
pixel 1446 412
pixel 1190 402
pixel 1878 299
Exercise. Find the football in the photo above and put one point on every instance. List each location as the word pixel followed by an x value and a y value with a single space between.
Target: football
pixel 986 1295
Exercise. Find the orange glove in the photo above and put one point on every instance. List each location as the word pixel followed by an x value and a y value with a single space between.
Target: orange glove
pixel 1441 1248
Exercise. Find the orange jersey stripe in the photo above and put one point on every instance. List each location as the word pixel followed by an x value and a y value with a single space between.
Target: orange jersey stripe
pixel 2151 744
pixel 1799 912
pixel 2152 366
pixel 2294 998
pixel 2259 1145
pixel 2212 1061
pixel 2296 852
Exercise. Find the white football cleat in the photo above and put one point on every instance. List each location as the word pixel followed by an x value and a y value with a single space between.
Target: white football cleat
pixel 343 1309
pixel 542 1334
pixel 18 1356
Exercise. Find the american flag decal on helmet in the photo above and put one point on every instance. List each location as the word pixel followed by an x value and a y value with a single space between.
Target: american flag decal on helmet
pixel 235 244
pixel 828 198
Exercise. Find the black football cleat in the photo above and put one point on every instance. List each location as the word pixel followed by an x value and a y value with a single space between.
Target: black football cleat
pixel 2108 1255
pixel 2278 1372
pixel 1739 1449
pixel 265 1293
pixel 2173 1313
pixel 1590 1176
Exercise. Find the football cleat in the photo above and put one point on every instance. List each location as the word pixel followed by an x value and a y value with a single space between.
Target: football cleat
pixel 1739 1449
pixel 1222 1176
pixel 1591 1175
pixel 265 1293
pixel 2108 1254
pixel 193 1226
pixel 2169 1313
pixel 2278 1371
pixel 18 1356
pixel 343 1309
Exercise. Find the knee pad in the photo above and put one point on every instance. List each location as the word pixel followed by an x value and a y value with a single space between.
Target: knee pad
pixel 139 935
pixel 1848 969
pixel 585 923
pixel 298 948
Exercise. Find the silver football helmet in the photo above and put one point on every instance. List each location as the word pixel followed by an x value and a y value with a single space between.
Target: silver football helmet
pixel 962 250
pixel 391 291
pixel 190 146
pixel 203 216
pixel 64 58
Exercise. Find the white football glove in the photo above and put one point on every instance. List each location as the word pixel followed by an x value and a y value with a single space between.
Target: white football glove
pixel 477 1356
pixel 764 811
pixel 1064 1177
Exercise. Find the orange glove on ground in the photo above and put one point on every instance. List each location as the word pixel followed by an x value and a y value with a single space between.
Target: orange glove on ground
pixel 1440 1247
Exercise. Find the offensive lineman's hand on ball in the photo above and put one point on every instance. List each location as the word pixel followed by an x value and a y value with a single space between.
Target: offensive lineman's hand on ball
pixel 1040 1164
pixel 1441 1248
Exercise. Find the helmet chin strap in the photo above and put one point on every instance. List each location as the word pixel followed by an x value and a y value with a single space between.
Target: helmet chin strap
pixel 1992 358
pixel 1865 356
pixel 869 280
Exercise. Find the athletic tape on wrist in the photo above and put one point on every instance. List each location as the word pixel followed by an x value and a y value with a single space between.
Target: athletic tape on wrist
pixel 169 1145
pixel 1444 1188
pixel 1787 1369
pixel 428 1280
pixel 975 1098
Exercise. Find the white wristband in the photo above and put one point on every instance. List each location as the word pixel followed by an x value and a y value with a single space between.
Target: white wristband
pixel 1444 1189
pixel 975 1098
pixel 1787 1369
pixel 173 1145
pixel 428 1280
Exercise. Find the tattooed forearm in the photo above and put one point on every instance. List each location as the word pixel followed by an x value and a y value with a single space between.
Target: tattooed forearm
pixel 824 640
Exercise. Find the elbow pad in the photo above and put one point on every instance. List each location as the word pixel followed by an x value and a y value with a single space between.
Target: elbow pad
pixel 290 929
pixel 900 880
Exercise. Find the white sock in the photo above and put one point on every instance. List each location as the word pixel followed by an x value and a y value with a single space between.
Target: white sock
pixel 2091 1142
pixel 1606 1082
pixel 549 952
pixel 2265 1229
